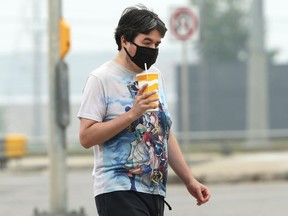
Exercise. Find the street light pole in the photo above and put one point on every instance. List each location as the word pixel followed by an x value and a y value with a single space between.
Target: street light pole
pixel 37 69
pixel 185 93
pixel 257 103
pixel 57 143
pixel 203 67
pixel 59 111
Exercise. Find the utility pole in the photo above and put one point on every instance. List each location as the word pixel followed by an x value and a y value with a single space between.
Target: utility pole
pixel 257 101
pixel 57 144
pixel 37 72
pixel 184 25
pixel 59 112
pixel 203 66
pixel 185 93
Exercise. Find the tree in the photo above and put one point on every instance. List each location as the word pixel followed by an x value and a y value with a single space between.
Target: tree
pixel 224 32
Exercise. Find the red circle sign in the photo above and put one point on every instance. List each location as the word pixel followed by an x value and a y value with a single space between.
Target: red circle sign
pixel 183 23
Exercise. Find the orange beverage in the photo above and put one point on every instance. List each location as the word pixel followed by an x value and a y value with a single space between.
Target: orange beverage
pixel 152 80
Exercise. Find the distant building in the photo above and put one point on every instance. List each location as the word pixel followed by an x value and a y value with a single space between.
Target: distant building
pixel 222 107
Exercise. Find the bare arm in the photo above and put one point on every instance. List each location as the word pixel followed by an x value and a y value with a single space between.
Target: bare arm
pixel 182 170
pixel 93 132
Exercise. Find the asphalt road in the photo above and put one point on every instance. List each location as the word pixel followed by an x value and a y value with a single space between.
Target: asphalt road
pixel 21 193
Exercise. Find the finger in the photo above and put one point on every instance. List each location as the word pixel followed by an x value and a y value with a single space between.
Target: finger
pixel 200 195
pixel 149 104
pixel 145 99
pixel 152 93
pixel 142 89
pixel 149 94
pixel 206 195
pixel 150 99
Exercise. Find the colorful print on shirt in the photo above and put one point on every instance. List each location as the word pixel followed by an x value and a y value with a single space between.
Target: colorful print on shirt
pixel 148 156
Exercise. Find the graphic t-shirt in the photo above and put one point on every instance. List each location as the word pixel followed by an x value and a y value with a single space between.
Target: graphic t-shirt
pixel 137 158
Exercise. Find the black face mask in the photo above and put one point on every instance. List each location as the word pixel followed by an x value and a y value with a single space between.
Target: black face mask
pixel 143 55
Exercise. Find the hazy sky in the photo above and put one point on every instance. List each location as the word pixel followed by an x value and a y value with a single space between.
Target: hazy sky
pixel 93 23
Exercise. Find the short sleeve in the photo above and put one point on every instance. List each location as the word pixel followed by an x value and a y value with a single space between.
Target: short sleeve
pixel 93 105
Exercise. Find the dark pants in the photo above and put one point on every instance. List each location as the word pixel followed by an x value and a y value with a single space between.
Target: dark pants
pixel 129 203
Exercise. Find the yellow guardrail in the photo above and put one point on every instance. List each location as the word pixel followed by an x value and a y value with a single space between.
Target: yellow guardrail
pixel 15 145
pixel 12 146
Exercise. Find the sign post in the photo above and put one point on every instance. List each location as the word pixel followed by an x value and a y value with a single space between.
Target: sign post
pixel 184 25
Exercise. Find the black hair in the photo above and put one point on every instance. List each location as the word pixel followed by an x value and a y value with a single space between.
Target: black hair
pixel 135 20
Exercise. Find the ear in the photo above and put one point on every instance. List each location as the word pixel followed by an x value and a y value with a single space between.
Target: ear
pixel 123 41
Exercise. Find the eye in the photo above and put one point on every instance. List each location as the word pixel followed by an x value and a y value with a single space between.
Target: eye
pixel 151 44
pixel 147 44
pixel 157 45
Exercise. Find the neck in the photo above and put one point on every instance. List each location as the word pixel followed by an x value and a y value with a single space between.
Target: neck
pixel 123 59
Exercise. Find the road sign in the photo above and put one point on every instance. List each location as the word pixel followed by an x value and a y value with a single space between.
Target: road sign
pixel 184 23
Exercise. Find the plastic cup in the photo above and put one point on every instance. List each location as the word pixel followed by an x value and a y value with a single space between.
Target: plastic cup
pixel 152 80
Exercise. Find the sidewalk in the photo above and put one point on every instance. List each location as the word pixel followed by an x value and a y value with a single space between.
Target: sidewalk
pixel 207 168
pixel 243 167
